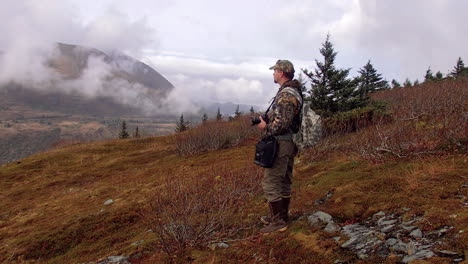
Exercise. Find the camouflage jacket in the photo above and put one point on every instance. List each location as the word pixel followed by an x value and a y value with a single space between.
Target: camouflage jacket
pixel 284 112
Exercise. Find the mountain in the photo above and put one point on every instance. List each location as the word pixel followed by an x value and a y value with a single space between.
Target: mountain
pixel 73 63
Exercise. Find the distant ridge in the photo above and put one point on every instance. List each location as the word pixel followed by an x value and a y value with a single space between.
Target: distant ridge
pixel 70 61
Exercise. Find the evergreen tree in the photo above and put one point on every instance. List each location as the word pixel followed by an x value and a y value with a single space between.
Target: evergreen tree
pixel 181 125
pixel 204 118
pixel 123 132
pixel 395 84
pixel 407 83
pixel 429 77
pixel 416 82
pixel 219 116
pixel 459 69
pixel 303 82
pixel 252 111
pixel 369 81
pixel 331 89
pixel 237 113
pixel 439 76
pixel 137 133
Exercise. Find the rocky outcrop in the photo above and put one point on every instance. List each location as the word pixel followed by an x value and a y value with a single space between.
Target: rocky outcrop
pixel 386 234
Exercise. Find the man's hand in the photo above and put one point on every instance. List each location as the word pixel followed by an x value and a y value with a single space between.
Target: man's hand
pixel 262 125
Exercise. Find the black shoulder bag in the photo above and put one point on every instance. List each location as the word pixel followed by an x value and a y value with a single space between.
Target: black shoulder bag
pixel 266 149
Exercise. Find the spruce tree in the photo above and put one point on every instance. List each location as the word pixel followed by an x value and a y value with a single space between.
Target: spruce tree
pixel 219 116
pixel 137 133
pixel 429 77
pixel 395 84
pixel 252 111
pixel 331 89
pixel 416 82
pixel 439 76
pixel 301 79
pixel 181 125
pixel 237 113
pixel 459 69
pixel 204 118
pixel 407 83
pixel 123 132
pixel 369 81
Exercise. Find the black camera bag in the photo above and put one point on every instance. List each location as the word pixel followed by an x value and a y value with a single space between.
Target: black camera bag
pixel 265 152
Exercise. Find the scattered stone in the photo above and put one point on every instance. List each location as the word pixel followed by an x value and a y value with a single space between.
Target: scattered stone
pixel 319 217
pixel 390 242
pixel 109 202
pixel 337 238
pixel 137 242
pixel 406 209
pixel 423 254
pixel 448 253
pixel 218 245
pixel 362 240
pixel 332 227
pixel 458 260
pixel 115 260
pixel 416 233
pixel 338 261
pixel 384 223
pixel 378 215
pixel 388 228
pixel 324 199
pixel 400 247
pixel 407 228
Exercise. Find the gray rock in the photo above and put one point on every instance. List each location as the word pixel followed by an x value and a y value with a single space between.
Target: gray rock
pixel 218 245
pixel 390 242
pixel 352 241
pixel 337 238
pixel 400 247
pixel 319 217
pixel 137 242
pixel 416 233
pixel 108 202
pixel 115 260
pixel 423 254
pixel 407 228
pixel 332 227
pixel 448 253
pixel 388 228
pixel 384 223
pixel 378 215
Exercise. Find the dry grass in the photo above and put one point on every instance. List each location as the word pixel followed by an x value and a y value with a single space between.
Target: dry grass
pixel 53 203
pixel 428 119
pixel 214 135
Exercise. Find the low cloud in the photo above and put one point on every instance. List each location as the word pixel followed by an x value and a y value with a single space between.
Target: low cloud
pixel 28 35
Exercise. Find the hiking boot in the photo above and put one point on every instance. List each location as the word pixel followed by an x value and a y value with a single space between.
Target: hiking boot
pixel 284 212
pixel 277 223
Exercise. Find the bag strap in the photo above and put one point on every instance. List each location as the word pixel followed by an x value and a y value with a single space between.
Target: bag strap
pixel 295 93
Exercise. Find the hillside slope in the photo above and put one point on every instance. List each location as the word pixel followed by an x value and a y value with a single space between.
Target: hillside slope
pixel 53 203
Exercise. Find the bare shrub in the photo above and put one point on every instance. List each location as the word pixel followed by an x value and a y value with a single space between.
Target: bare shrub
pixel 213 135
pixel 192 211
pixel 427 119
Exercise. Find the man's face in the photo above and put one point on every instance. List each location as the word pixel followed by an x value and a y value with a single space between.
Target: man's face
pixel 277 75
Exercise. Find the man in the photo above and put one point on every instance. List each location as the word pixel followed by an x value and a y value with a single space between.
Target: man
pixel 284 119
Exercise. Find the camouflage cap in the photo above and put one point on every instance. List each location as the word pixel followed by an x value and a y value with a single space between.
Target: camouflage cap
pixel 284 66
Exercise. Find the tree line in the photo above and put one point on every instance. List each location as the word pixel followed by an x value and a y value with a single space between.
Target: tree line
pixel 333 91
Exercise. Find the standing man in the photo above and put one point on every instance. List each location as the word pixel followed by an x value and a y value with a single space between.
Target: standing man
pixel 284 121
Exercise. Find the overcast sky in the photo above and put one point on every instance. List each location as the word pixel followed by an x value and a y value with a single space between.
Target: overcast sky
pixel 214 50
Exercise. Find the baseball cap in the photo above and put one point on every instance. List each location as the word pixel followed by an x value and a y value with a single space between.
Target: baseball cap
pixel 283 65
